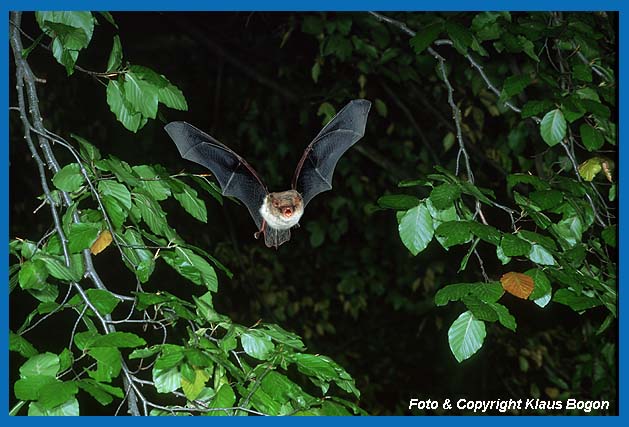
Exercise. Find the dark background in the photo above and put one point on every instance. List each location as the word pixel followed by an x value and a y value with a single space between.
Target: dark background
pixel 357 296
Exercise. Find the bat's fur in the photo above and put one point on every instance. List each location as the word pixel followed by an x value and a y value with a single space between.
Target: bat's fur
pixel 282 210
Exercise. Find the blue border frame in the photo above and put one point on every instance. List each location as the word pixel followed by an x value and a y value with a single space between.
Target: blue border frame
pixel 379 5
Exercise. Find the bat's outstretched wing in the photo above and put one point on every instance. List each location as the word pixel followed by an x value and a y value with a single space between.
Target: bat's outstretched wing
pixel 316 167
pixel 235 176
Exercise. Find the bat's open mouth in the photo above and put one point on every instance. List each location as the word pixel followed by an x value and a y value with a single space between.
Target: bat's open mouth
pixel 288 212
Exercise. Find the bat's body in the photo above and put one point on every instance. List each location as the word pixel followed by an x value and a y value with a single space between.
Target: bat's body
pixel 275 213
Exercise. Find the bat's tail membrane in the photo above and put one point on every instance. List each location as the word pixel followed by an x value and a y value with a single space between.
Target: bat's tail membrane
pixel 275 237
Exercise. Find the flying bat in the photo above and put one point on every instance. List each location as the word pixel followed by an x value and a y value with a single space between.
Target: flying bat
pixel 275 213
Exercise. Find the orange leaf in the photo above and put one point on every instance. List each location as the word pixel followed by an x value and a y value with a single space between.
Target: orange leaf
pixel 517 284
pixel 104 239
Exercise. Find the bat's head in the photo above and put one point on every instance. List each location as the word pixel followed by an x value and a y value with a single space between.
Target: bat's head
pixel 283 210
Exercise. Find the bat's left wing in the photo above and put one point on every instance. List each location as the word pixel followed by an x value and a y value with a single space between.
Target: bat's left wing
pixel 315 169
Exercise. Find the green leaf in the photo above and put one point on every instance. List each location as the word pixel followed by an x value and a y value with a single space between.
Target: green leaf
pixel 69 178
pixel 532 237
pixel 454 233
pixel 102 300
pixel 609 235
pixel 425 37
pixel 64 56
pixel 109 363
pixel 592 138
pixel 188 199
pixel 58 269
pixel 172 97
pixel 32 47
pixel 339 46
pixel 317 234
pixel 257 344
pixel 224 398
pixel 192 267
pixel 533 108
pixel 486 233
pixel 120 168
pixel 109 18
pixel 582 72
pixel 115 56
pixel 141 258
pixel 461 36
pixel 572 108
pixel 116 339
pixel 553 127
pixel 46 364
pixel 381 107
pixel 141 95
pixel 33 274
pixel 466 336
pixel 149 75
pixel 540 255
pixel 486 292
pixel 514 85
pixel 514 246
pixel 88 151
pixel 29 388
pixel 166 380
pixel 444 195
pixel 546 199
pixel 315 72
pixel 81 20
pixel 283 336
pixel 327 111
pixel 81 236
pixel 504 317
pixel 322 369
pixel 398 201
pixel 151 212
pixel 101 392
pixel 312 25
pixel 20 345
pixel 528 47
pixel 117 214
pixel 576 302
pixel 416 229
pixel 543 301
pixel 480 309
pixel 55 393
pixel 542 283
pixel 500 254
pixel 152 182
pixel 570 229
pixel 69 408
pixel 522 178
pixel 117 191
pixel 129 117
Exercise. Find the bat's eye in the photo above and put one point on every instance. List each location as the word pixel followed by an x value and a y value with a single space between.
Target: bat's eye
pixel 276 204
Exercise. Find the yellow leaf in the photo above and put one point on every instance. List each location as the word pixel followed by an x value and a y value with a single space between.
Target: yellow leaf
pixel 192 390
pixel 104 239
pixel 517 284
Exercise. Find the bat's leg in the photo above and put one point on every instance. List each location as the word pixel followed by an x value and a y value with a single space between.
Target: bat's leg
pixel 260 231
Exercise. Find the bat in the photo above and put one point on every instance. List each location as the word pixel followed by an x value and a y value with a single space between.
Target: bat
pixel 275 213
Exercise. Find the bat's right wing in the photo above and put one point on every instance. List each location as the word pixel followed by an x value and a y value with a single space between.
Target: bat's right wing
pixel 235 176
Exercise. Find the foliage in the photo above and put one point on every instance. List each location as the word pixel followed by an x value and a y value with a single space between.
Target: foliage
pixel 557 218
pixel 490 138
pixel 213 365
